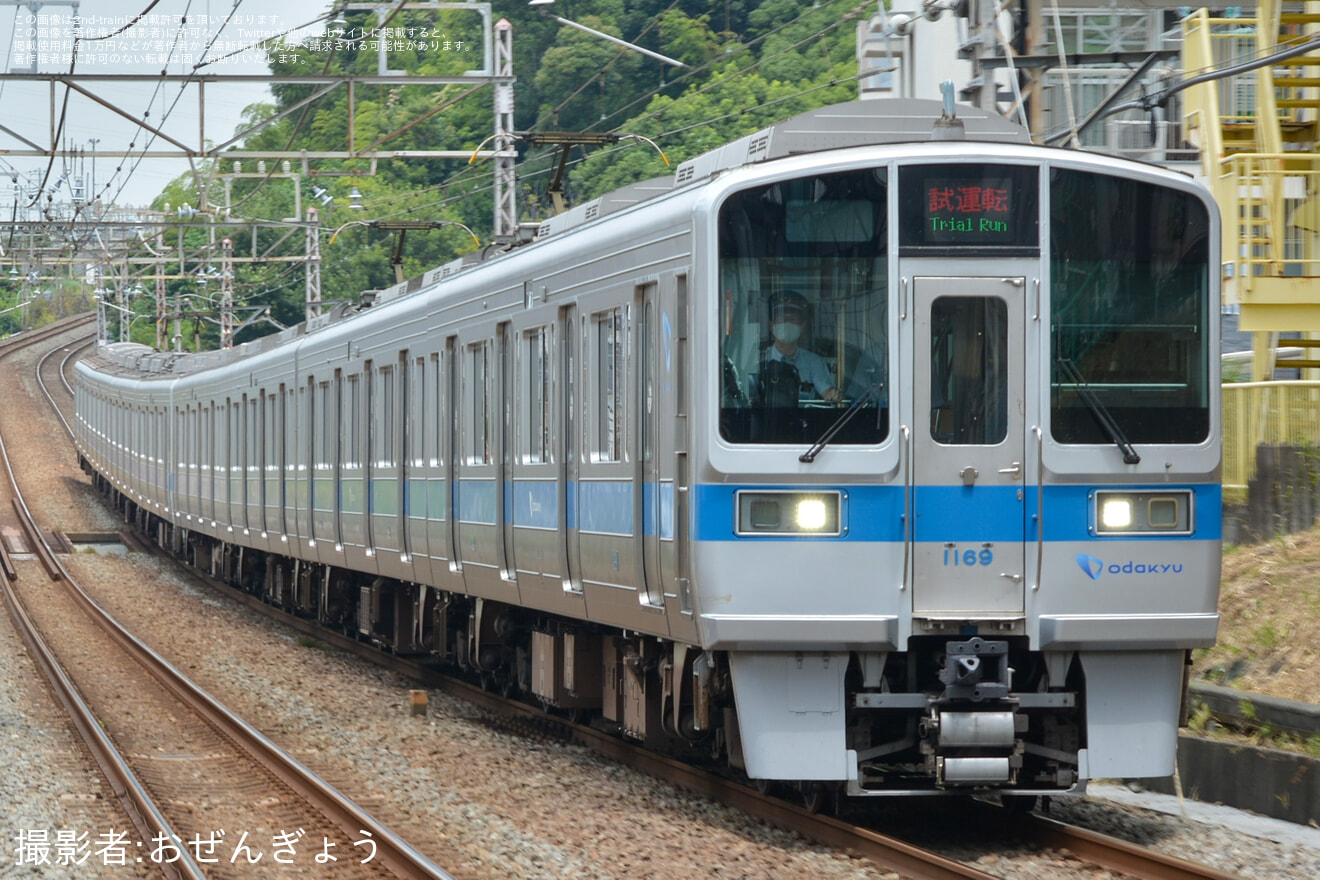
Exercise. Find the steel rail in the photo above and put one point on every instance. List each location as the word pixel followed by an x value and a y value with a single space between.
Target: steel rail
pixel 891 853
pixel 64 364
pixel 38 544
pixel 36 541
pixel 1116 854
pixel 136 802
pixel 1111 852
pixel 41 382
pixel 6 562
pixel 15 342
pixel 133 796
pixel 394 853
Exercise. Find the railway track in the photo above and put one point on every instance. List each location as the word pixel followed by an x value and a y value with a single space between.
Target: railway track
pixel 891 853
pixel 886 851
pixel 197 782
pixel 55 377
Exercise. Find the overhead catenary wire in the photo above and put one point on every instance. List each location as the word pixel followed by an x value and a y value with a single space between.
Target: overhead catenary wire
pixel 471 173
pixel 755 66
pixel 391 205
pixel 1067 81
pixel 1161 97
pixel 64 106
pixel 151 139
pixel 302 118
pixel 467 176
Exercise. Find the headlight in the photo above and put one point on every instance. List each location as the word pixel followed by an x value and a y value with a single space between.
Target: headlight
pixel 812 514
pixel 1143 513
pixel 788 513
pixel 1116 513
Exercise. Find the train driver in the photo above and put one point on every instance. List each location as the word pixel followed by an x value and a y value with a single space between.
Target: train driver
pixel 789 313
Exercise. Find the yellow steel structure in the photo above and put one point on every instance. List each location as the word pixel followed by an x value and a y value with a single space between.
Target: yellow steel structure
pixel 1257 133
pixel 1275 413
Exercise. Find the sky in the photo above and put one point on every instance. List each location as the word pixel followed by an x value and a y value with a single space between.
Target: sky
pixel 43 32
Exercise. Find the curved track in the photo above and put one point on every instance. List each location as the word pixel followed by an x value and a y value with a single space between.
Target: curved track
pixel 194 766
pixel 860 836
pixel 909 860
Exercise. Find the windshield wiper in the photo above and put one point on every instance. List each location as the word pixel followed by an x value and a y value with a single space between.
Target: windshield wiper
pixel 844 418
pixel 1098 410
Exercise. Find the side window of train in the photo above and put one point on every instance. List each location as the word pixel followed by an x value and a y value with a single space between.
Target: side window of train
pixel 418 440
pixel 803 310
pixel 535 393
pixel 271 438
pixel 188 438
pixel 441 405
pixel 609 333
pixel 204 439
pixel 251 431
pixel 323 430
pixel 476 404
pixel 350 449
pixel 236 458
pixel 386 452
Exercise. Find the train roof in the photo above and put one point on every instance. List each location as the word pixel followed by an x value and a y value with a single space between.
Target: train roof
pixel 854 124
pixel 839 126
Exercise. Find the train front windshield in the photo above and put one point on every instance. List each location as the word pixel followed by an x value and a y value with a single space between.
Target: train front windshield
pixel 803 311
pixel 1129 291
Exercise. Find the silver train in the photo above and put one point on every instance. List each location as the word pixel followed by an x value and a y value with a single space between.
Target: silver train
pixel 877 452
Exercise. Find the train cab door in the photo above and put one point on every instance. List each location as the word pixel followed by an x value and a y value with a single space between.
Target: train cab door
pixel 968 445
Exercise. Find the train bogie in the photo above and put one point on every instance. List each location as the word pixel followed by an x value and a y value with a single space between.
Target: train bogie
pixel 863 461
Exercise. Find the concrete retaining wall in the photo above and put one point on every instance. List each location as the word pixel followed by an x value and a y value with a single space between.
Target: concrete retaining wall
pixel 1283 785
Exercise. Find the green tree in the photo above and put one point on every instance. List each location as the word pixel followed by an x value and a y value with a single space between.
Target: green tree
pixel 751 63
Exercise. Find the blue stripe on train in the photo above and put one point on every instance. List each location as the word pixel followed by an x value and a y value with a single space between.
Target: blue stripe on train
pixel 868 513
pixel 952 513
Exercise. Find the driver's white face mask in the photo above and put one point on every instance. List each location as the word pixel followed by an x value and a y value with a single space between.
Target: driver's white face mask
pixel 787 332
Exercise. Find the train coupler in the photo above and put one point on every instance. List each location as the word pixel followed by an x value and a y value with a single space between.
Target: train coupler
pixel 976 670
pixel 973 747
pixel 971 736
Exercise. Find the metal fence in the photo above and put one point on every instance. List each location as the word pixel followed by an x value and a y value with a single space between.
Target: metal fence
pixel 1276 413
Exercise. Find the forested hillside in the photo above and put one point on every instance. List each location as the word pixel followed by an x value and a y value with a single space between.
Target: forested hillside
pixel 749 64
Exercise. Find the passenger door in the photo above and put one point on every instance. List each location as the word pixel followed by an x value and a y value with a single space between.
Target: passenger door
pixel 651 458
pixel 570 444
pixel 968 447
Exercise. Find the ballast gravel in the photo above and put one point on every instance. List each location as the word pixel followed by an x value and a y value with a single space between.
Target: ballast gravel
pixel 482 801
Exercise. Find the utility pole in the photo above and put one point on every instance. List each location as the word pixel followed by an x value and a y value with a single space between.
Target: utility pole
pixel 506 184
pixel 91 190
pixel 161 293
pixel 100 293
pixel 313 264
pixel 178 302
pixel 227 293
pixel 123 303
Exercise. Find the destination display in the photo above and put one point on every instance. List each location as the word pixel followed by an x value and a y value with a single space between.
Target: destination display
pixel 976 213
pixel 960 206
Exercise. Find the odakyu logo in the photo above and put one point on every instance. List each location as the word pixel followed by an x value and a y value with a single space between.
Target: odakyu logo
pixel 1090 565
pixel 1095 567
